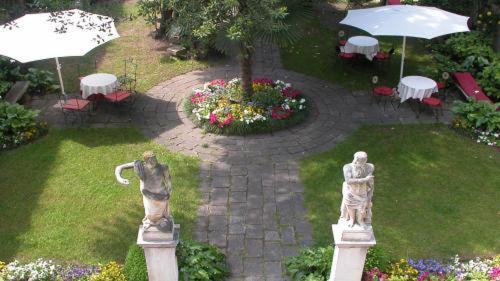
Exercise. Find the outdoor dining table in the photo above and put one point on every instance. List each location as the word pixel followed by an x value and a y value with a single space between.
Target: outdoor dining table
pixel 98 83
pixel 416 87
pixel 365 45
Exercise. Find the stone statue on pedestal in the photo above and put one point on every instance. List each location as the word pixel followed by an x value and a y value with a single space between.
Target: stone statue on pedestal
pixel 353 234
pixel 357 191
pixel 156 187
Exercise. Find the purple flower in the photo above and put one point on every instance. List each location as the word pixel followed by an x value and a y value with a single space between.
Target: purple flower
pixel 429 265
pixel 75 272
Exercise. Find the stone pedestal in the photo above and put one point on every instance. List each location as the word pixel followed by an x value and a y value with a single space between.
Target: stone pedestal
pixel 159 249
pixel 351 245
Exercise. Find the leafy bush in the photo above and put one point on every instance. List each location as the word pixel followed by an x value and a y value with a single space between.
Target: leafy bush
pixel 310 264
pixel 197 261
pixel 479 115
pixel 135 264
pixel 377 258
pixel 489 79
pixel 200 261
pixel 41 81
pixel 18 125
pixel 9 73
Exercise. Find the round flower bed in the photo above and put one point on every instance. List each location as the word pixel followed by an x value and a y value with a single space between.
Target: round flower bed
pixel 220 107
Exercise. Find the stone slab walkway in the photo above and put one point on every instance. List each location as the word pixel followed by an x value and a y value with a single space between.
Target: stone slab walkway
pixel 252 196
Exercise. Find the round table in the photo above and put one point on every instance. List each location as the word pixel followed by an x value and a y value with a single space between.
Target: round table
pixel 416 87
pixel 365 45
pixel 98 83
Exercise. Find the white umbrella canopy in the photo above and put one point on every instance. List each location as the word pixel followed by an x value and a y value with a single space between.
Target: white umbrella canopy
pixel 41 36
pixel 406 21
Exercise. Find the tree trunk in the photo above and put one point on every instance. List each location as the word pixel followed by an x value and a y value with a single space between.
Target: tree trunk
pixel 246 71
pixel 496 32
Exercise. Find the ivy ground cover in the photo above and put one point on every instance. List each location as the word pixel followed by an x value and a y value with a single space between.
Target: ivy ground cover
pixel 436 192
pixel 59 198
pixel 222 107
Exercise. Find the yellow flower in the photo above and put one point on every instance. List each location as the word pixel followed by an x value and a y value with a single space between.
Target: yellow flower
pixel 110 272
pixel 2 266
pixel 479 22
pixel 489 13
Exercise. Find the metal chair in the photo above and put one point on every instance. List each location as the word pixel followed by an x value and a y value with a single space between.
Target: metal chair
pixel 75 106
pixel 382 93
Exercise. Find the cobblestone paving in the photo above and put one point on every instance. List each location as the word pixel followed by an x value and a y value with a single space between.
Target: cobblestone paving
pixel 252 197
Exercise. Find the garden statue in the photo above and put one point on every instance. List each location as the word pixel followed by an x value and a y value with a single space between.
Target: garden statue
pixel 357 191
pixel 155 186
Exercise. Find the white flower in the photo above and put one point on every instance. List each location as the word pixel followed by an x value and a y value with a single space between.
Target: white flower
pixel 302 100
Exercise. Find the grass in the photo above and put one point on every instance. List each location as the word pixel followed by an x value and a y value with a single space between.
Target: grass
pixel 314 55
pixel 59 197
pixel 154 66
pixel 436 192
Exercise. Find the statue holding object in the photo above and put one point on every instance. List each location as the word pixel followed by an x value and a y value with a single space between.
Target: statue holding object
pixel 155 186
pixel 357 191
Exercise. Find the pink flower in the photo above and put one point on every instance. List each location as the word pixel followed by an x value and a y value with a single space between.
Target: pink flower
pixel 213 118
pixel 198 98
pixel 263 80
pixel 495 273
pixel 219 82
pixel 290 92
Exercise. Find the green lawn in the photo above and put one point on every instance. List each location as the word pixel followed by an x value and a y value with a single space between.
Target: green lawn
pixel 436 192
pixel 314 55
pixel 59 197
pixel 135 42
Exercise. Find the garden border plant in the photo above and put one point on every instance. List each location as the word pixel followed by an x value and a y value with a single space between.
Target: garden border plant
pixel 222 108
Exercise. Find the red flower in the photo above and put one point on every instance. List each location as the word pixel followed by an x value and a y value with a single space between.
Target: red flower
pixel 219 82
pixel 213 118
pixel 290 92
pixel 263 80
pixel 226 121
pixel 280 113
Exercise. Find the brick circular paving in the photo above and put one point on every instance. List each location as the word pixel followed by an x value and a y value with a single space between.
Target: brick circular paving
pixel 252 197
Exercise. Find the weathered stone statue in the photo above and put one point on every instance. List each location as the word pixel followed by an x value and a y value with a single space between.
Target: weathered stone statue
pixel 357 191
pixel 155 186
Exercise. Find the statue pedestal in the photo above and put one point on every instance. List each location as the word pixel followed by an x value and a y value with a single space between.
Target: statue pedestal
pixel 159 249
pixel 351 245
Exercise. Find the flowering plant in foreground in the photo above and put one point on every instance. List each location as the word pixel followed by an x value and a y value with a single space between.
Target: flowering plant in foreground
pixel 432 270
pixel 221 103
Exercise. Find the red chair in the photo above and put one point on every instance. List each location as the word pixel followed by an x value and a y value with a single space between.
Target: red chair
pixel 342 54
pixel 393 2
pixel 342 40
pixel 435 104
pixel 382 56
pixel 74 106
pixel 381 93
pixel 118 96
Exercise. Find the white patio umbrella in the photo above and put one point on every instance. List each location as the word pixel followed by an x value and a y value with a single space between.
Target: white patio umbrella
pixel 41 36
pixel 406 21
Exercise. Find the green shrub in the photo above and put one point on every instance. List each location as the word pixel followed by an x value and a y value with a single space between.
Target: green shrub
pixel 9 73
pixel 310 264
pixel 135 264
pixel 462 45
pixel 489 79
pixel 479 115
pixel 197 261
pixel 200 261
pixel 376 257
pixel 41 81
pixel 18 125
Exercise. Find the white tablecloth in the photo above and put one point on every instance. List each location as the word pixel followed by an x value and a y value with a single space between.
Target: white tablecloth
pixel 99 83
pixel 416 87
pixel 365 45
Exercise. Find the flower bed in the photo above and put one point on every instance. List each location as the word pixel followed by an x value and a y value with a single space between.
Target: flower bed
pixel 220 107
pixel 314 264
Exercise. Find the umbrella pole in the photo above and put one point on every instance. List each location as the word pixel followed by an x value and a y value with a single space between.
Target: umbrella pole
pixel 58 66
pixel 402 58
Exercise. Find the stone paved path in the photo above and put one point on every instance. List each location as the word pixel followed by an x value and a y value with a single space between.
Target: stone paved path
pixel 252 197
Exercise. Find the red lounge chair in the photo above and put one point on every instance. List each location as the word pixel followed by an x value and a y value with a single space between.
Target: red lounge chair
pixel 393 2
pixel 469 87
